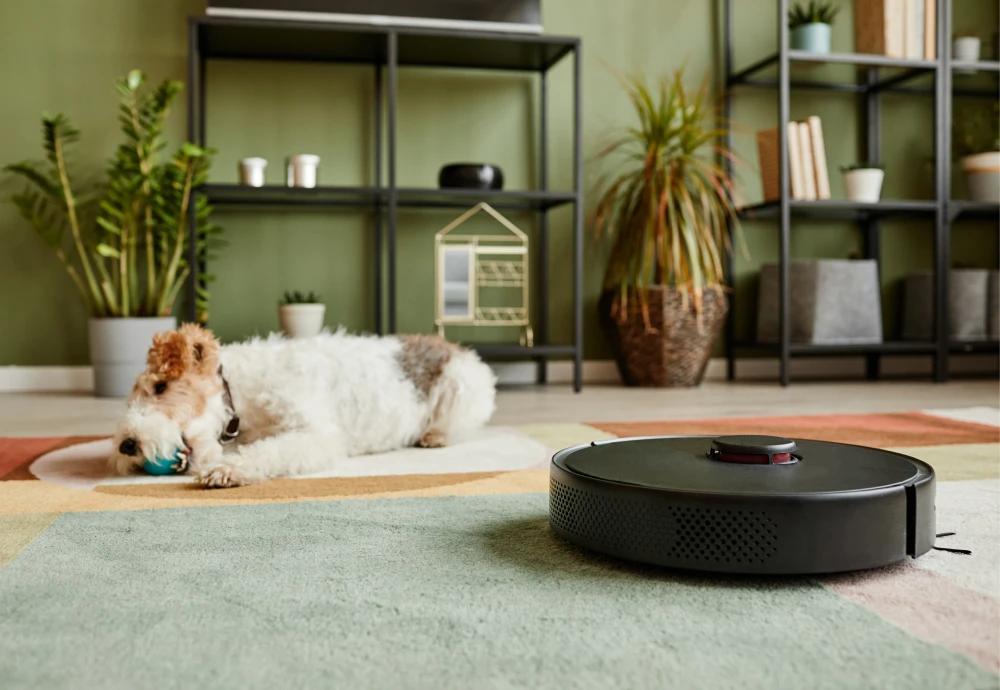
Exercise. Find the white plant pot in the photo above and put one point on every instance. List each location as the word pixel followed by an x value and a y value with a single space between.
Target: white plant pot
pixel 966 49
pixel 301 320
pixel 982 176
pixel 864 185
pixel 118 349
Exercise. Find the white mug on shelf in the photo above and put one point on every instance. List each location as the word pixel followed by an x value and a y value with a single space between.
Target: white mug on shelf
pixel 302 170
pixel 252 171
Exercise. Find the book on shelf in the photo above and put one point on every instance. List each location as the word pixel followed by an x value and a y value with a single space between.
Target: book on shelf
pixel 807 173
pixel 896 28
pixel 806 156
pixel 819 158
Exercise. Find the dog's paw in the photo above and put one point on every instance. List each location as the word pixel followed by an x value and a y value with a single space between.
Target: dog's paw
pixel 222 476
pixel 432 439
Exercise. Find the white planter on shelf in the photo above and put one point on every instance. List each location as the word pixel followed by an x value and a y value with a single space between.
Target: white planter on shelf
pixel 864 184
pixel 982 176
pixel 301 320
pixel 118 349
pixel 965 49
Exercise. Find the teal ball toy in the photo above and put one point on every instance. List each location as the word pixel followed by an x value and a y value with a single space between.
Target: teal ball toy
pixel 163 466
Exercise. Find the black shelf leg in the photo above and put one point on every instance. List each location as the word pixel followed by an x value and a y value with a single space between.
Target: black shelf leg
pixel 542 332
pixel 942 226
pixel 377 239
pixel 194 108
pixel 728 164
pixel 870 224
pixel 784 287
pixel 578 220
pixel 392 69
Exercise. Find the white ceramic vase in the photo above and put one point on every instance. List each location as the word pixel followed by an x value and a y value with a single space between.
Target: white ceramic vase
pixel 301 320
pixel 864 184
pixel 118 349
pixel 982 176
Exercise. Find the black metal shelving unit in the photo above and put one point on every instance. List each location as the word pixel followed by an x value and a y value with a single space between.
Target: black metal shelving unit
pixel 387 49
pixel 884 74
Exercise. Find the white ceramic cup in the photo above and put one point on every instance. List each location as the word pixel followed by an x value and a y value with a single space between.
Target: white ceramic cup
pixel 302 170
pixel 966 49
pixel 252 171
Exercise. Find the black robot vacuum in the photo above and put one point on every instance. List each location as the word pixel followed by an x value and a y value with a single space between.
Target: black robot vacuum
pixel 743 504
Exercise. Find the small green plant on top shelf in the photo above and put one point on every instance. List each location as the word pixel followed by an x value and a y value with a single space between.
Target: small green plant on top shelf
pixel 297 297
pixel 811 25
pixel 863 181
pixel 301 314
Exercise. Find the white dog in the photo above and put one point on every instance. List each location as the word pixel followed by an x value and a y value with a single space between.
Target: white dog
pixel 292 407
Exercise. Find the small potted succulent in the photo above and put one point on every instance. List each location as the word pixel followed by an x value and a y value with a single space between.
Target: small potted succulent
pixel 301 315
pixel 965 48
pixel 811 25
pixel 976 143
pixel 863 181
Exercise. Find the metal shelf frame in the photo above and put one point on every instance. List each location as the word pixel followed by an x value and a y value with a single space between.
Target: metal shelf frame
pixel 942 210
pixel 387 49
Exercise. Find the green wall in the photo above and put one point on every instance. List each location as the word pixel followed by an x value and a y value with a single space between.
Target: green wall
pixel 61 55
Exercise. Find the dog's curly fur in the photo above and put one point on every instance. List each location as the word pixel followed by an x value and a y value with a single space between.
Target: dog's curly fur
pixel 303 404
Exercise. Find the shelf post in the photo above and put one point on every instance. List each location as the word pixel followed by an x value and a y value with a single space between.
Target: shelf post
pixel 942 160
pixel 195 106
pixel 784 321
pixel 870 223
pixel 578 218
pixel 542 332
pixel 728 166
pixel 393 59
pixel 377 239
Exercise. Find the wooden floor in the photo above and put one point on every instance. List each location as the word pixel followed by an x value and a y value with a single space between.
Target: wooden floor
pixel 41 414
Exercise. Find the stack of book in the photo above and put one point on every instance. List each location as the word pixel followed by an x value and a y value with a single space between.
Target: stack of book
pixel 904 29
pixel 808 174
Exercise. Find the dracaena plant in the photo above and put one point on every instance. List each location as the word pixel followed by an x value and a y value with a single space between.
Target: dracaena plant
pixel 124 243
pixel 668 205
pixel 813 13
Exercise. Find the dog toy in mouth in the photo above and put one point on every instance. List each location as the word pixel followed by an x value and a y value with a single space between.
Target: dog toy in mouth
pixel 164 466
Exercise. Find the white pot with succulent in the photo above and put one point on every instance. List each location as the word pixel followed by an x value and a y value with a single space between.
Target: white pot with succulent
pixel 124 244
pixel 863 182
pixel 966 47
pixel 301 315
pixel 976 143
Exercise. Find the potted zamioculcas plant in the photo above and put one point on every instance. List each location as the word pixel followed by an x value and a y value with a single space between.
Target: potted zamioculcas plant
pixel 976 143
pixel 124 243
pixel 666 208
pixel 811 26
pixel 301 315
pixel 863 181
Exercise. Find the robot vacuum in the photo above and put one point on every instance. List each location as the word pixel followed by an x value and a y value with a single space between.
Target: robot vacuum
pixel 743 504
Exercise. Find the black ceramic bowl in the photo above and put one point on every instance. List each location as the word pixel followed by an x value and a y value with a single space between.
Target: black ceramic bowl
pixel 470 176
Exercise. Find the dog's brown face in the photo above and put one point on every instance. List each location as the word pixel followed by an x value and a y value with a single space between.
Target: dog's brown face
pixel 177 394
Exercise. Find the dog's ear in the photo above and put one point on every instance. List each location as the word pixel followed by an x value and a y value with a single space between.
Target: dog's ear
pixel 171 355
pixel 203 346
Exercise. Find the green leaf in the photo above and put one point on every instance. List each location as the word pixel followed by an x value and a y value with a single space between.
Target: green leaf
pixel 108 251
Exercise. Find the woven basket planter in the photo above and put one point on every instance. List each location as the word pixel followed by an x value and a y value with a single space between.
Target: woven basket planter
pixel 675 354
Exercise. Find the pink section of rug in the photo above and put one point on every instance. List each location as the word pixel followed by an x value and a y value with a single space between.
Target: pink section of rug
pixel 928 606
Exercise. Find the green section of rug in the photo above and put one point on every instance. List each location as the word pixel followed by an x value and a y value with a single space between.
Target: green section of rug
pixel 416 593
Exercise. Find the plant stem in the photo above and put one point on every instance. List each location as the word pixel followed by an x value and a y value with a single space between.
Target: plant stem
pixel 74 225
pixel 169 274
pixel 145 166
pixel 73 274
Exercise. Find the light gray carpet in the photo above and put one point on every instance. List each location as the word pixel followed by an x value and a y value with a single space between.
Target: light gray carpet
pixel 416 593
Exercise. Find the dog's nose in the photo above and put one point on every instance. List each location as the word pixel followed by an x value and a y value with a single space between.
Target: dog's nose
pixel 128 447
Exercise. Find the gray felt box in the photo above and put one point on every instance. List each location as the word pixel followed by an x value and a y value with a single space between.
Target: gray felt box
pixel 832 302
pixel 968 305
pixel 993 306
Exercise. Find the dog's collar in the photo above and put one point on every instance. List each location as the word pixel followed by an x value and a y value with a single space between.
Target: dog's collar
pixel 232 428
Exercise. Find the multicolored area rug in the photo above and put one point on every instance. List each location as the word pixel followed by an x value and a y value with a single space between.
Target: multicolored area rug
pixel 436 569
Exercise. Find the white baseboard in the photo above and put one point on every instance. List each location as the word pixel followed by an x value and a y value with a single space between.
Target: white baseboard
pixel 15 379
pixel 37 379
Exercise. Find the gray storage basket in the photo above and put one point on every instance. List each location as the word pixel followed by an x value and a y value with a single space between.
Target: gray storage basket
pixel 993 306
pixel 832 302
pixel 968 298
